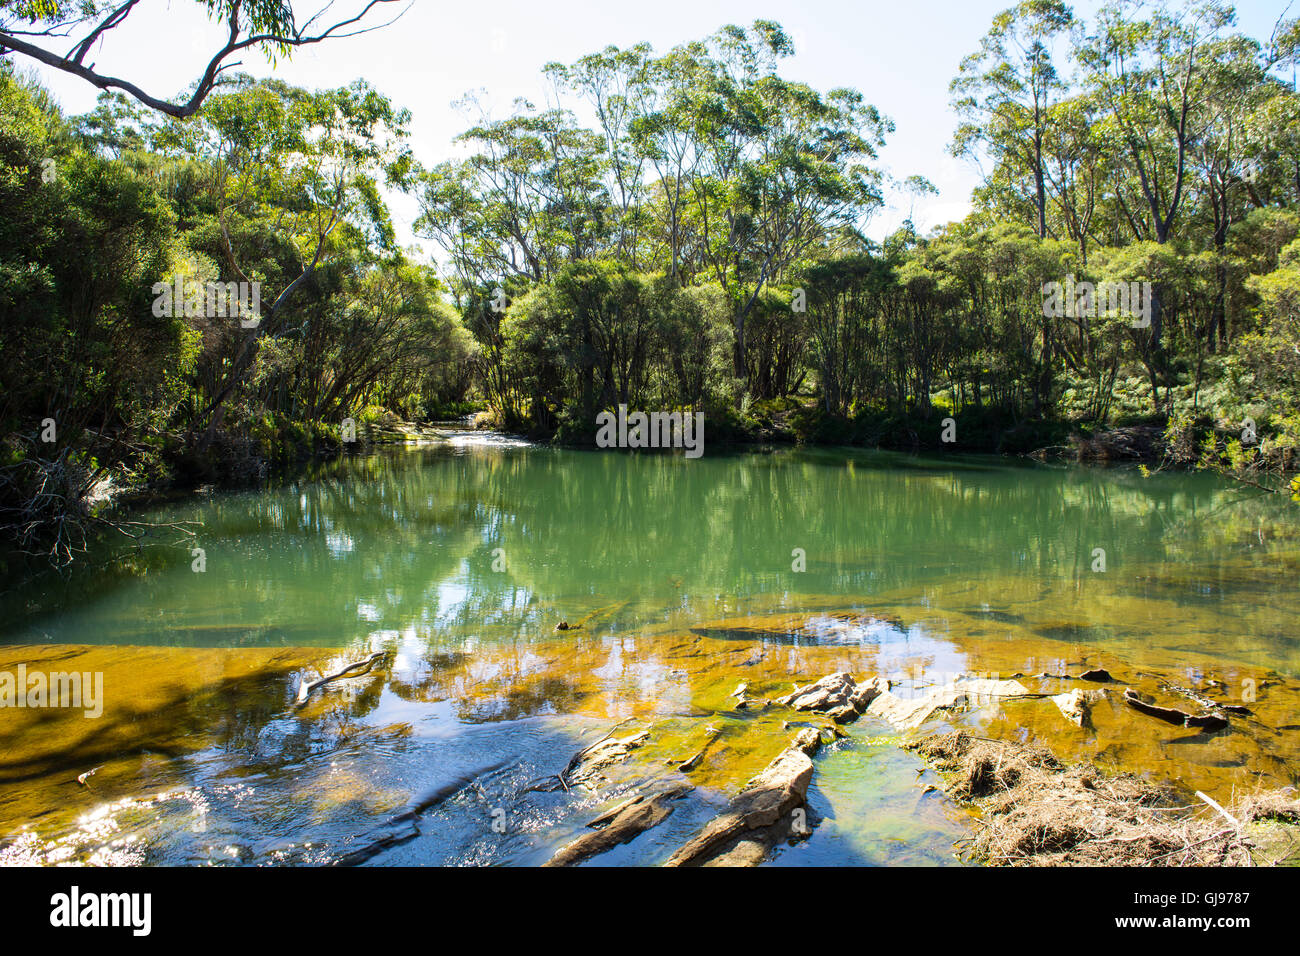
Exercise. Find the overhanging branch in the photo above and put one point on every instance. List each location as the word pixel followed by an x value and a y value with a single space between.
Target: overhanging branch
pixel 241 37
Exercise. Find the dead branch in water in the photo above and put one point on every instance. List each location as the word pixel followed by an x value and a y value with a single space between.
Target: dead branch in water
pixel 1207 721
pixel 49 506
pixel 361 667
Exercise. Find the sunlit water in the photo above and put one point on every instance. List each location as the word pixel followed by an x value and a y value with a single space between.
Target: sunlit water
pixel 682 578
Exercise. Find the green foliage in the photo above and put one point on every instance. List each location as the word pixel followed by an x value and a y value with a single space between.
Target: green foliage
pixel 585 341
pixel 700 246
pixel 268 185
pixel 82 241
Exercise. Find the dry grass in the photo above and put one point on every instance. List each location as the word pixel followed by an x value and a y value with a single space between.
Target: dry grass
pixel 1274 806
pixel 1036 811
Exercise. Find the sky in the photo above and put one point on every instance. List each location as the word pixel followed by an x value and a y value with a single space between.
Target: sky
pixel 901 54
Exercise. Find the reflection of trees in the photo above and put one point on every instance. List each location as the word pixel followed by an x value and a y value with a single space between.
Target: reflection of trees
pixel 395 550
pixel 610 526
pixel 318 562
pixel 402 542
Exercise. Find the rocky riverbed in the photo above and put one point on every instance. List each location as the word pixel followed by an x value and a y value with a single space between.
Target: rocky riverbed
pixel 726 744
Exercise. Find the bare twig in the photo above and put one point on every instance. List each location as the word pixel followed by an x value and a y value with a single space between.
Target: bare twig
pixel 359 667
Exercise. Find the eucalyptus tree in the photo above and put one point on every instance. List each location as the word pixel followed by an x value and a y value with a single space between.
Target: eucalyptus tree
pixel 1237 87
pixel 620 88
pixel 530 198
pixel 847 304
pixel 1006 91
pixel 583 340
pixel 1270 352
pixel 783 166
pixel 1075 169
pixel 741 169
pixel 1273 132
pixel 665 133
pixel 295 182
pixel 1150 76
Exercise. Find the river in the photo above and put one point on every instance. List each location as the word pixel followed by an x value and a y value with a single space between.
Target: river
pixel 680 578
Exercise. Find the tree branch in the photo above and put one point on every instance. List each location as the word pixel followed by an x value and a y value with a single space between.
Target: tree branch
pixel 238 40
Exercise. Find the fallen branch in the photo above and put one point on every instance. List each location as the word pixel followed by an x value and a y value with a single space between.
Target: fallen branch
pixel 1217 806
pixel 572 765
pixel 360 667
pixel 690 764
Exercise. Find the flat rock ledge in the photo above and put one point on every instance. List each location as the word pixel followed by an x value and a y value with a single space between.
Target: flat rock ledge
pixel 760 815
pixel 843 699
pixel 759 818
pixel 908 713
pixel 1022 786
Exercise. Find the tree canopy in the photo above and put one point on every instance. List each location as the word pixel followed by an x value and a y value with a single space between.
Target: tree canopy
pixel 682 230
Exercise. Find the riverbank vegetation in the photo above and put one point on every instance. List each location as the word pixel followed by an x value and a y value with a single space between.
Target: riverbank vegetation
pixel 675 229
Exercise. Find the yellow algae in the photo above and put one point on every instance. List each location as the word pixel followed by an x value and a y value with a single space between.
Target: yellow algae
pixel 675 680
pixel 660 680
pixel 679 586
pixel 160 703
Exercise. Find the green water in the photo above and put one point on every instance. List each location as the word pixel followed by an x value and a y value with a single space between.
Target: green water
pixel 407 541
pixel 461 559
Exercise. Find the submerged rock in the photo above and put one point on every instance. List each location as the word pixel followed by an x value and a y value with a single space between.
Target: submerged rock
pixel 1076 705
pixel 586 767
pixel 745 702
pixel 761 814
pixel 622 824
pixel 908 714
pixel 390 834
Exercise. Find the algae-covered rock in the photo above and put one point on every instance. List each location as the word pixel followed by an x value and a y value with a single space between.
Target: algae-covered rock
pixel 910 713
pixel 1076 706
